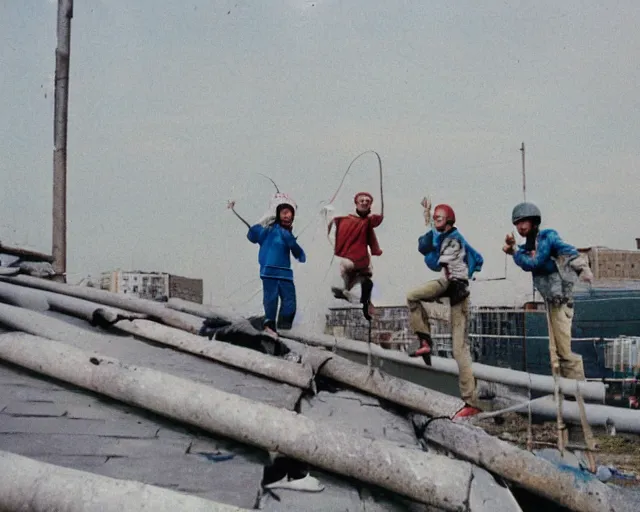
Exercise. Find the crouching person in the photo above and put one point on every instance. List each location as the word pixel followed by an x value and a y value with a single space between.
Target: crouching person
pixel 445 249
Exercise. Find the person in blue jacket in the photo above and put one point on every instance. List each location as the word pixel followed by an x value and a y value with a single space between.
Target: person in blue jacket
pixel 555 266
pixel 274 236
pixel 446 250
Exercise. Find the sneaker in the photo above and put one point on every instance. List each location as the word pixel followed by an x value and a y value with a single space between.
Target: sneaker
pixel 306 484
pixel 270 332
pixel 466 411
pixel 339 293
pixel 424 350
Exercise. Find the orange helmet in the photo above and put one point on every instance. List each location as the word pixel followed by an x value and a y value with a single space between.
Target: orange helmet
pixel 355 198
pixel 448 212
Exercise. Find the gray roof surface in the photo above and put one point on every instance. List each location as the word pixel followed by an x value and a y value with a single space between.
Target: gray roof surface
pixel 60 424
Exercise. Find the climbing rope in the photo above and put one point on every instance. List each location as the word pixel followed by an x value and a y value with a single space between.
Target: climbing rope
pixel 345 177
pixel 349 169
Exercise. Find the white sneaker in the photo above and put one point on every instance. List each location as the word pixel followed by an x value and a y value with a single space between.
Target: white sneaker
pixel 306 484
pixel 270 332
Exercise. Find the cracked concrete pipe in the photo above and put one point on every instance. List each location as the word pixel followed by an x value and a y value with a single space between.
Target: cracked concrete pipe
pixel 624 420
pixel 574 489
pixel 41 300
pixel 421 476
pixel 32 486
pixel 184 321
pixel 202 310
pixel 508 461
pixel 399 391
pixel 251 361
pixel 255 362
pixel 594 391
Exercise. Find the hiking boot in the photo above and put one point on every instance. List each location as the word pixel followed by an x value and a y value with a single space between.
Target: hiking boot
pixel 466 411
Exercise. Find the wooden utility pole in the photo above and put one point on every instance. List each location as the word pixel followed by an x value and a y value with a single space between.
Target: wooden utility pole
pixel 524 198
pixel 524 179
pixel 60 114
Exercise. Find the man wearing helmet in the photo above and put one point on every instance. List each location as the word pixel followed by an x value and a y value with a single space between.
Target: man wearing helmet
pixel 355 236
pixel 273 233
pixel 444 248
pixel 555 266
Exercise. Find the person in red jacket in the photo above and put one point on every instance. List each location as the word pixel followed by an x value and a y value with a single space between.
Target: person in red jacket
pixel 355 242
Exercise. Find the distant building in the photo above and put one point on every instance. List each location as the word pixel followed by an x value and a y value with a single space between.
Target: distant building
pixel 160 286
pixel 389 329
pixel 614 264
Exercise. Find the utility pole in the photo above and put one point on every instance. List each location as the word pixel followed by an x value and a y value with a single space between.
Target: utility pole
pixel 60 114
pixel 524 195
pixel 524 179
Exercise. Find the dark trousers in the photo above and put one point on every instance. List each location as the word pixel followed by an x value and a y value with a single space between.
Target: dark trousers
pixel 272 290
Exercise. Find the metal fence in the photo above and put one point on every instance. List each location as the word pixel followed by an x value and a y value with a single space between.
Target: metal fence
pixel 498 337
pixel 622 355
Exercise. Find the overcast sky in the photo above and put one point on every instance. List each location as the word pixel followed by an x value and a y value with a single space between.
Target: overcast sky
pixel 175 107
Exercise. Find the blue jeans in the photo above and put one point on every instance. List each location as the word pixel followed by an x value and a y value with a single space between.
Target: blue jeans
pixel 285 290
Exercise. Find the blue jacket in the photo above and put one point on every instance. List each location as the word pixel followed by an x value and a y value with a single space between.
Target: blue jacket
pixel 549 245
pixel 276 246
pixel 430 244
pixel 552 275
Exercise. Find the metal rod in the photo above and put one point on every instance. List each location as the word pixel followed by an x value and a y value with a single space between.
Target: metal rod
pixel 524 179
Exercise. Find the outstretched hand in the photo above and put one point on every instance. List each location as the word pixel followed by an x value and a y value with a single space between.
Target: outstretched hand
pixel 426 204
pixel 509 239
pixel 509 244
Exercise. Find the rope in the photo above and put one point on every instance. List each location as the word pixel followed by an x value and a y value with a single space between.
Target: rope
pixel 420 431
pixel 274 183
pixel 238 215
pixel 511 408
pixel 349 168
pixel 345 176
pixel 369 348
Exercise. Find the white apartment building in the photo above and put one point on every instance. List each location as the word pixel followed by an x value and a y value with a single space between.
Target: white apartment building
pixel 158 286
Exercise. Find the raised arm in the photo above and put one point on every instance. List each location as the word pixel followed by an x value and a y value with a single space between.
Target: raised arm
pixel 426 204
pixel 231 206
pixel 541 256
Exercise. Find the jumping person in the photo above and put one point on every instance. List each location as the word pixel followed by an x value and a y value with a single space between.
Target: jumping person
pixel 274 236
pixel 354 238
pixel 445 249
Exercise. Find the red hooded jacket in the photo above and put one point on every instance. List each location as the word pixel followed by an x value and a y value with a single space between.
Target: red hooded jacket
pixel 354 236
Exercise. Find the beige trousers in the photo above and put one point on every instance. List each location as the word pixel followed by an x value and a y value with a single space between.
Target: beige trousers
pixel 563 360
pixel 352 276
pixel 419 322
